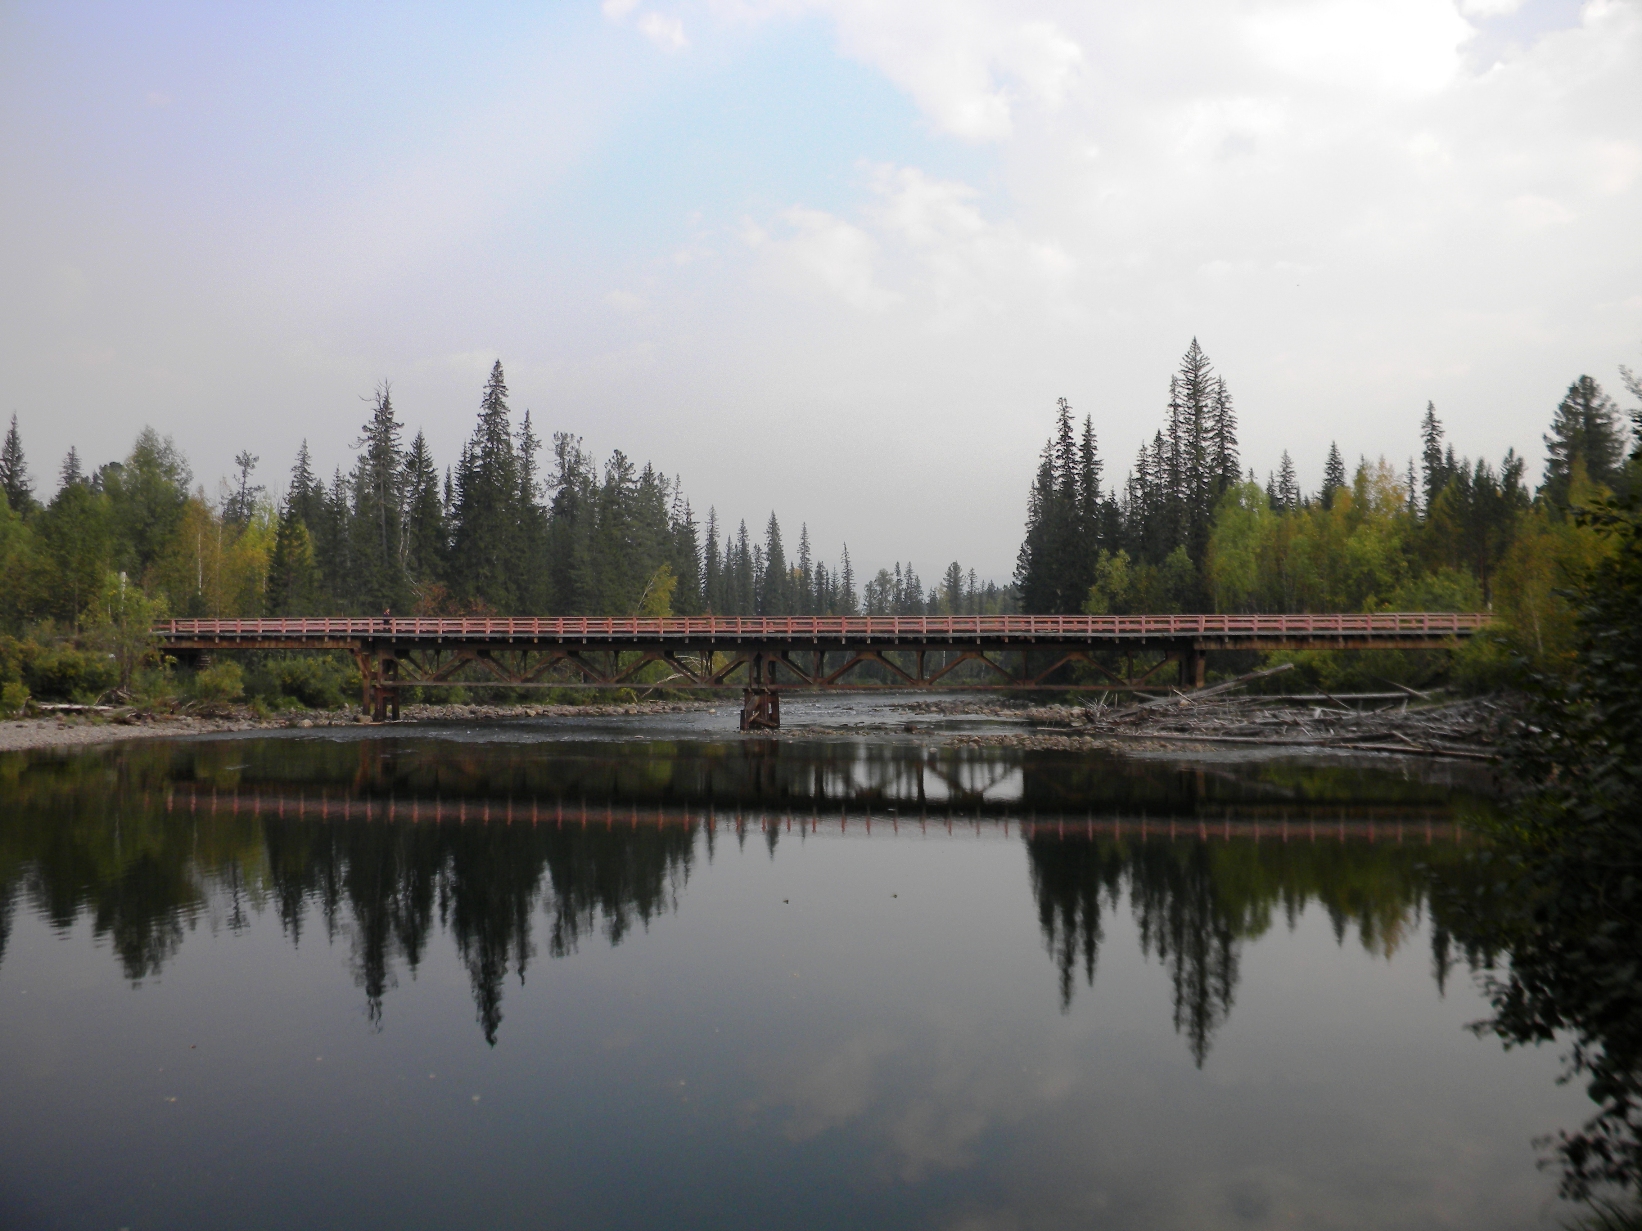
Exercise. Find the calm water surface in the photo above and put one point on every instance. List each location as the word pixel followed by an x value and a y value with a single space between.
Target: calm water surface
pixel 640 973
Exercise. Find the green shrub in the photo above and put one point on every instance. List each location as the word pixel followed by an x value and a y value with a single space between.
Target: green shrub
pixel 63 673
pixel 309 680
pixel 223 681
pixel 14 698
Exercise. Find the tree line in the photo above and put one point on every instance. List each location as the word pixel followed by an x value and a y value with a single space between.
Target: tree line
pixel 1190 530
pixel 517 525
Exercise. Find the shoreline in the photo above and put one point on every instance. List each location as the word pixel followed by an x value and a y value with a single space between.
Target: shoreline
pixel 75 731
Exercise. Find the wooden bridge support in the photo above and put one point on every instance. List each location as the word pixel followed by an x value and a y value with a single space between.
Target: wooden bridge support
pixel 1194 665
pixel 379 684
pixel 760 703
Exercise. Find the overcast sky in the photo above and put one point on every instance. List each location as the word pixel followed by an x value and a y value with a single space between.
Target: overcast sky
pixel 835 258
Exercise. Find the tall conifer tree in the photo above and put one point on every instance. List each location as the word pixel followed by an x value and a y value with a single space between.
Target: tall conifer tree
pixel 14 473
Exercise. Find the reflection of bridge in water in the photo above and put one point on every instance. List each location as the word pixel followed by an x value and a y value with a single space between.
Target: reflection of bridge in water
pixel 765 656
pixel 1268 823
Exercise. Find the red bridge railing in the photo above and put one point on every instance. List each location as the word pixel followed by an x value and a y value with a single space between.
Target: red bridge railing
pixel 804 628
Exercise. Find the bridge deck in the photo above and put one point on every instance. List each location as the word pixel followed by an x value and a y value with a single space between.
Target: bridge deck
pixel 768 655
pixel 1379 629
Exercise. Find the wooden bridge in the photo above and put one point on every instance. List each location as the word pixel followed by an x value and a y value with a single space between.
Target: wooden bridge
pixel 764 656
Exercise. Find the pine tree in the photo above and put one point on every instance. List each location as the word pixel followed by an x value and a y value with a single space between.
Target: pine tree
pixel 294 584
pixel 306 495
pixel 849 603
pixel 378 514
pixel 242 501
pixel 529 543
pixel 1334 475
pixel 424 543
pixel 1288 486
pixel 1222 443
pixel 773 597
pixel 743 596
pixel 571 526
pixel 686 555
pixel 72 472
pixel 1035 562
pixel 1586 428
pixel 333 546
pixel 15 483
pixel 805 574
pixel 485 533
pixel 712 581
pixel 1434 471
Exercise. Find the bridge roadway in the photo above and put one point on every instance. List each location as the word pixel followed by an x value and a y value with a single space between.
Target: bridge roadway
pixel 767 655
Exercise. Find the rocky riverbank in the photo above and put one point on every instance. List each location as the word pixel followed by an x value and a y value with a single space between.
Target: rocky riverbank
pixel 87 725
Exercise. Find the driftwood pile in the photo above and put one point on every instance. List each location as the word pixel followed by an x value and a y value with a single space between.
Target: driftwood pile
pixel 1404 721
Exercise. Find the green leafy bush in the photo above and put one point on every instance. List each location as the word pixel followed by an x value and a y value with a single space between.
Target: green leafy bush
pixel 223 681
pixel 314 681
pixel 14 698
pixel 63 673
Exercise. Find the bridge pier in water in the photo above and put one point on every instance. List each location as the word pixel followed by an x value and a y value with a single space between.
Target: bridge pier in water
pixel 760 704
pixel 379 684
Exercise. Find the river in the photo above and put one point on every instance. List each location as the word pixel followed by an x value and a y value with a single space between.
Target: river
pixel 641 972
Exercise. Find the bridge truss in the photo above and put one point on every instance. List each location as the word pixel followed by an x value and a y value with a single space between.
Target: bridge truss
pixel 764 657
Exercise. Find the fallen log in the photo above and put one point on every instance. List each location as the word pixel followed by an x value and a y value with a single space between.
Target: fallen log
pixel 1188 737
pixel 1186 698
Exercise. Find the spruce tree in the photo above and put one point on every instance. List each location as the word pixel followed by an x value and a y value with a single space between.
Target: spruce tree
pixel 1288 486
pixel 306 494
pixel 294 584
pixel 712 579
pixel 72 472
pixel 485 532
pixel 743 598
pixel 1334 475
pixel 1034 564
pixel 378 513
pixel 570 529
pixel 529 545
pixel 774 600
pixel 686 555
pixel 1222 444
pixel 1586 428
pixel 1433 468
pixel 804 603
pixel 14 473
pixel 425 541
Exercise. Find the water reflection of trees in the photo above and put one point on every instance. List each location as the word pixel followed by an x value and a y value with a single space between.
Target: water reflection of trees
pixel 88 836
pixel 1196 903
pixel 143 878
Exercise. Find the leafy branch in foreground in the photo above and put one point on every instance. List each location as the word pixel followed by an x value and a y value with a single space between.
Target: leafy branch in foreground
pixel 1567 909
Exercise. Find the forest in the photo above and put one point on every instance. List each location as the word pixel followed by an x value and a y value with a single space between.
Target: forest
pixel 1189 529
pixel 519 524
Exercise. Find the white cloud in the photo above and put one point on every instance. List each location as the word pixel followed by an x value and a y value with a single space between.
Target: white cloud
pixel 821 249
pixel 1398 46
pixel 665 32
pixel 968 64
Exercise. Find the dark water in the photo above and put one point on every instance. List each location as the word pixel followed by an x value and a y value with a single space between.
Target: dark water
pixel 640 975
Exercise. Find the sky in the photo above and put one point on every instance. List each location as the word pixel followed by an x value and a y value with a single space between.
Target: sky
pixel 831 258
